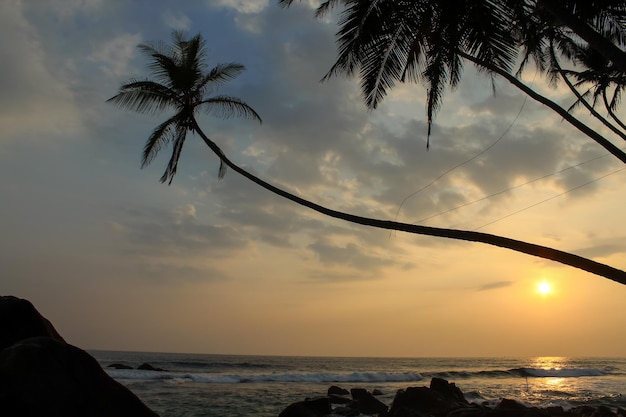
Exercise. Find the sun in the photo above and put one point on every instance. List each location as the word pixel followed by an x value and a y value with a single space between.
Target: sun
pixel 544 288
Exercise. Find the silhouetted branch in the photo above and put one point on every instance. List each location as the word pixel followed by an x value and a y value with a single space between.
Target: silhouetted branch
pixel 544 252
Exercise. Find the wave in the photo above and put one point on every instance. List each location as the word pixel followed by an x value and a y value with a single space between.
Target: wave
pixel 354 377
pixel 523 372
pixel 215 365
pixel 559 373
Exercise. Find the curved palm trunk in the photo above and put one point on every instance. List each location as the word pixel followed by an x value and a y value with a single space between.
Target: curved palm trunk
pixel 610 111
pixel 589 107
pixel 598 42
pixel 544 252
pixel 601 140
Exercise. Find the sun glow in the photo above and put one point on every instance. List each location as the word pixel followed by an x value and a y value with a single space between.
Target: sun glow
pixel 544 288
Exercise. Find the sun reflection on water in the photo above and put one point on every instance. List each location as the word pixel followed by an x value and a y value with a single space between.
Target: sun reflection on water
pixel 549 362
pixel 551 383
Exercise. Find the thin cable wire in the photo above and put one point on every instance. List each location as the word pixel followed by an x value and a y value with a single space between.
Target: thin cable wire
pixel 552 198
pixel 509 189
pixel 470 159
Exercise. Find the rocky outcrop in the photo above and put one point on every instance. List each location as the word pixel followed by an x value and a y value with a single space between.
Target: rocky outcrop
pixel 148 367
pixel 20 320
pixel 42 375
pixel 316 407
pixel 119 366
pixel 366 403
pixel 440 399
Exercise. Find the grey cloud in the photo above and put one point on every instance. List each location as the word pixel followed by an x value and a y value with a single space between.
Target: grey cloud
pixel 327 276
pixel 349 254
pixel 168 273
pixel 155 232
pixel 602 250
pixel 494 285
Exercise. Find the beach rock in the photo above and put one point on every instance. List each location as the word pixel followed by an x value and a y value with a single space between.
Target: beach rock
pixel 119 366
pixel 376 391
pixel 42 375
pixel 335 390
pixel 148 367
pixel 439 399
pixel 367 403
pixel 449 390
pixel 339 399
pixel 20 320
pixel 315 407
pixel 350 409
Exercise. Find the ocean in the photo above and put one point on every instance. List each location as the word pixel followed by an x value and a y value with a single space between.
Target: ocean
pixel 193 385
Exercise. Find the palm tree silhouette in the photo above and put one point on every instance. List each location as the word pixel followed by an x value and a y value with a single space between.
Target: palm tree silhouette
pixel 390 41
pixel 182 84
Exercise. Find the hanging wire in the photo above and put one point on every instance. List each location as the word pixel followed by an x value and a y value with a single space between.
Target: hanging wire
pixel 552 198
pixel 510 189
pixel 470 159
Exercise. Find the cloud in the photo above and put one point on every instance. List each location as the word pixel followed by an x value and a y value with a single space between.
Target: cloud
pixel 156 233
pixel 177 20
pixel 350 254
pixel 603 249
pixel 494 285
pixel 115 54
pixel 241 6
pixel 30 84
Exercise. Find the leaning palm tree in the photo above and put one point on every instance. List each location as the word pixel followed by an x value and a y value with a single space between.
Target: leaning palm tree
pixel 182 85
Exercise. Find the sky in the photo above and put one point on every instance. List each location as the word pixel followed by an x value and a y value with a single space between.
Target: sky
pixel 118 261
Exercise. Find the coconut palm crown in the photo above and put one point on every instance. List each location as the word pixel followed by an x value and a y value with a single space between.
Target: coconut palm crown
pixel 181 82
pixel 385 42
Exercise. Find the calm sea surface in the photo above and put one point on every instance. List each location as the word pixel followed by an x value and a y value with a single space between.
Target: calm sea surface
pixel 262 386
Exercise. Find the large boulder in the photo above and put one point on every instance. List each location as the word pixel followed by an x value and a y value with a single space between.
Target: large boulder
pixel 367 403
pixel 20 320
pixel 41 375
pixel 315 407
pixel 439 399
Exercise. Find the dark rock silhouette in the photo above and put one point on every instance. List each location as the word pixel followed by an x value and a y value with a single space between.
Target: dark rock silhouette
pixel 119 366
pixel 440 399
pixel 367 403
pixel 315 407
pixel 148 367
pixel 42 375
pixel 335 390
pixel 20 320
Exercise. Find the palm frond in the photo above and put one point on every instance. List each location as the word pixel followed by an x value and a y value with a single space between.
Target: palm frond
pixel 219 75
pixel 325 7
pixel 161 136
pixel 177 148
pixel 361 24
pixel 144 97
pixel 226 107
pixel 162 62
pixel 486 34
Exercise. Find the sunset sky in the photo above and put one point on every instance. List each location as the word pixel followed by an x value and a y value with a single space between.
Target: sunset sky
pixel 117 260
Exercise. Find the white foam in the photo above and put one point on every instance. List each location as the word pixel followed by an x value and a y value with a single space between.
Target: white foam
pixel 363 377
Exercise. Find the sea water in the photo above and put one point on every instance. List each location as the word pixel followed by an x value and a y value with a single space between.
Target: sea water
pixel 262 386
